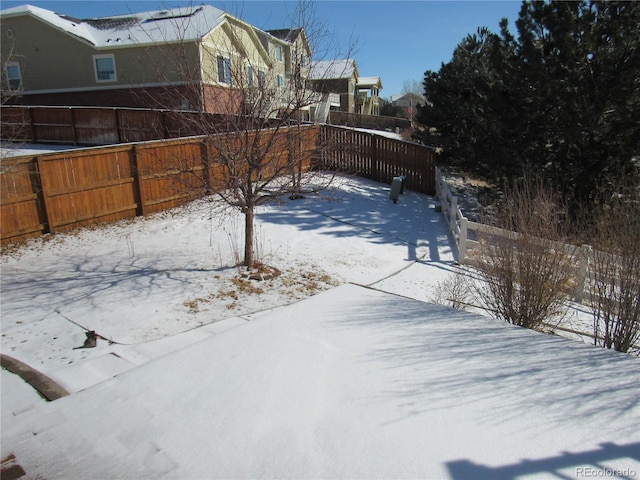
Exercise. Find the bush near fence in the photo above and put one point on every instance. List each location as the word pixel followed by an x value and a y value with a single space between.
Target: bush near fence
pixel 60 191
pixel 466 234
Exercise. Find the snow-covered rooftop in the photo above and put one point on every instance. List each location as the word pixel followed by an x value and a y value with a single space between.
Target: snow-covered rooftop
pixel 157 26
pixel 366 82
pixel 333 69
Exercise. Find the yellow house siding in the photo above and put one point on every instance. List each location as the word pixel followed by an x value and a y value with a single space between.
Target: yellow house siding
pixel 233 42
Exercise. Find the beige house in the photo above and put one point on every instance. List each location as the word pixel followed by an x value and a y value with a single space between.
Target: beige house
pixel 185 58
pixel 343 88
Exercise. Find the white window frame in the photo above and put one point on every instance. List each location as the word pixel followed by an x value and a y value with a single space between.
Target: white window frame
pixel 278 53
pixel 280 80
pixel 250 79
pixel 110 56
pixel 10 79
pixel 224 73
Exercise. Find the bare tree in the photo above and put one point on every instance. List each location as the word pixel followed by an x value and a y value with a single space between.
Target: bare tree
pixel 257 141
pixel 527 274
pixel 13 131
pixel 412 86
pixel 615 268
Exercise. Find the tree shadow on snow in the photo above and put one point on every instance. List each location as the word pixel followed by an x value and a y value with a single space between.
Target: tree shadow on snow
pixel 361 208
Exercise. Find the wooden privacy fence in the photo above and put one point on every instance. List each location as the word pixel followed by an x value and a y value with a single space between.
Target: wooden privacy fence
pixel 92 126
pixel 378 158
pixel 60 191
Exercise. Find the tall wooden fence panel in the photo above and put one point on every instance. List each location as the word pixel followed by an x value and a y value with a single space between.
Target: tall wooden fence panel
pixel 95 127
pixel 170 173
pixel 140 125
pixel 378 158
pixel 60 191
pixel 21 207
pixel 52 125
pixel 84 187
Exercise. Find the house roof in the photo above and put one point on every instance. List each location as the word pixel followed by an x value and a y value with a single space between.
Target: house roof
pixel 157 26
pixel 286 34
pixel 333 69
pixel 368 82
pixel 407 99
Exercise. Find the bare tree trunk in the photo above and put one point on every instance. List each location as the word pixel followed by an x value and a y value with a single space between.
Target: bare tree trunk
pixel 249 215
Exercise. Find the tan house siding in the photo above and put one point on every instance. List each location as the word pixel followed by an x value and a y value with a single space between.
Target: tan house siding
pixel 56 62
pixel 57 56
pixel 49 59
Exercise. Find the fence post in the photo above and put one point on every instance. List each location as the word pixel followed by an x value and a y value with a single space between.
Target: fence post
pixel 135 173
pixel 583 258
pixel 32 127
pixel 74 130
pixel 375 171
pixel 206 170
pixel 453 214
pixel 45 197
pixel 116 114
pixel 462 240
pixel 439 190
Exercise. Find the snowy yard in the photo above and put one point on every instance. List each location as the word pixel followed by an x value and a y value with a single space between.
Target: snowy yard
pixel 334 368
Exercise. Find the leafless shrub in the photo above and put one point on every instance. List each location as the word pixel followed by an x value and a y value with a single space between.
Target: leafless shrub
pixel 615 270
pixel 526 274
pixel 455 291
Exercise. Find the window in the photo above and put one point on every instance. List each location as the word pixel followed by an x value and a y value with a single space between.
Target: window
pixel 278 53
pixel 280 81
pixel 303 60
pixel 262 79
pixel 250 76
pixel 224 70
pixel 105 68
pixel 13 76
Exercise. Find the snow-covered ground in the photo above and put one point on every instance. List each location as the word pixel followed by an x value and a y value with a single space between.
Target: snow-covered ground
pixel 8 150
pixel 334 368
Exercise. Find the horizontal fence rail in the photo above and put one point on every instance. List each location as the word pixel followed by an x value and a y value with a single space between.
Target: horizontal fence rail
pixel 54 192
pixel 466 234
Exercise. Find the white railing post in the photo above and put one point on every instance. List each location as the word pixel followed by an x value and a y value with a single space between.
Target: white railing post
pixel 462 240
pixel 583 258
pixel 453 214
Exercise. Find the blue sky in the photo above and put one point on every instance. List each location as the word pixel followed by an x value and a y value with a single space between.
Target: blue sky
pixel 395 40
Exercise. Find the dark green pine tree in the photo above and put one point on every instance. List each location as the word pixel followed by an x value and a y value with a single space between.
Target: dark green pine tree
pixel 580 62
pixel 561 100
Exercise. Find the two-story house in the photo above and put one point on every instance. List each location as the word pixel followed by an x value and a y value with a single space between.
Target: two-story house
pixel 194 58
pixel 343 88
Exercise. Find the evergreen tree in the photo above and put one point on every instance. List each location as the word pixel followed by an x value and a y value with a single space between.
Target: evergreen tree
pixel 561 99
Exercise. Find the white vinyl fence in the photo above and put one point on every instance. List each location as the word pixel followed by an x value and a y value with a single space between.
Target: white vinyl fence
pixel 465 233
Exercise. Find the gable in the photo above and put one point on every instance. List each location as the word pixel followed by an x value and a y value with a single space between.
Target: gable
pixel 153 27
